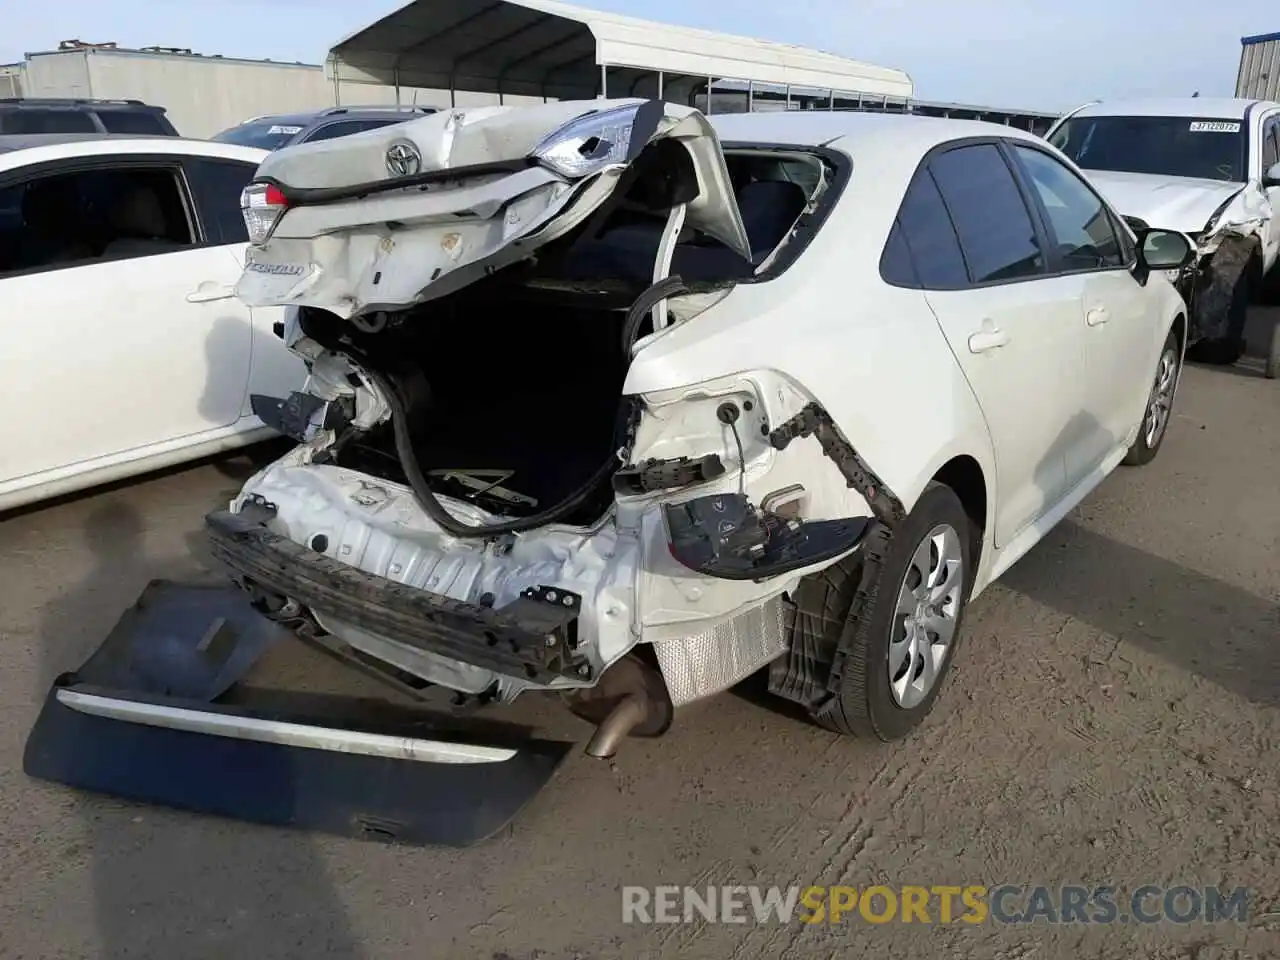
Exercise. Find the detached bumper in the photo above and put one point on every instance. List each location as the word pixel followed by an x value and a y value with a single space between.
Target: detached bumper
pixel 139 721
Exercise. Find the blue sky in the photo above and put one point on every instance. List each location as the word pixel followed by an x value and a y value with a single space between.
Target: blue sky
pixel 1012 53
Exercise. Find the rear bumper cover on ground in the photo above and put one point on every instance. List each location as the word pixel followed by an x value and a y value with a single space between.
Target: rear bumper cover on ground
pixel 139 721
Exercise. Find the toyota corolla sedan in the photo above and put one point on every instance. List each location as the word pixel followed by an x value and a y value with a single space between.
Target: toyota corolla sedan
pixel 613 400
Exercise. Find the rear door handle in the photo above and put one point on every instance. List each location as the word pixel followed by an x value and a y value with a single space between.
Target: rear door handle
pixel 1097 316
pixel 209 291
pixel 991 338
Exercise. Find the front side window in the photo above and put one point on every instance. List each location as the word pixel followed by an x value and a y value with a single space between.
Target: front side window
pixel 1205 148
pixel 1081 226
pixel 990 217
pixel 87 216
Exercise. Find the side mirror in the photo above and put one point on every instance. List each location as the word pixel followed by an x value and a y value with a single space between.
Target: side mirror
pixel 1271 176
pixel 1165 249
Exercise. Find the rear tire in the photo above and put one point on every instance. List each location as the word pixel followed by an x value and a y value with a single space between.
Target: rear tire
pixel 1159 409
pixel 928 568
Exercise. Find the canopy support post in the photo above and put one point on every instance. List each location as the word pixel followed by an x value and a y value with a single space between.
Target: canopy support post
pixel 831 104
pixel 788 96
pixel 604 81
pixel 661 77
pixel 751 96
pixel 709 82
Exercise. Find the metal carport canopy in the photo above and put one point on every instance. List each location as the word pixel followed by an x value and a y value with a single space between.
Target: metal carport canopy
pixel 544 48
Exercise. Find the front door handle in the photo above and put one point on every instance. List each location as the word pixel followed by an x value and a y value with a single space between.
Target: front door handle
pixel 990 338
pixel 1097 316
pixel 209 291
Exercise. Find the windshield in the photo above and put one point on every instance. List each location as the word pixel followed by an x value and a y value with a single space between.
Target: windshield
pixel 1169 146
pixel 263 134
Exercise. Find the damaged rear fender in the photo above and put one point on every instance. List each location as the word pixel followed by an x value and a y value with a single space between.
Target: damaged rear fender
pixel 734 499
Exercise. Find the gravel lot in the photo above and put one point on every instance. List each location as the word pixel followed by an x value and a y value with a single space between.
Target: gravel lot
pixel 1113 718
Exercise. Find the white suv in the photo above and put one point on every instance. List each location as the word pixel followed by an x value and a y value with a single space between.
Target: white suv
pixel 1207 167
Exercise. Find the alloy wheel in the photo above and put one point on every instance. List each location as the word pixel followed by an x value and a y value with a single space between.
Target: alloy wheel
pixel 924 624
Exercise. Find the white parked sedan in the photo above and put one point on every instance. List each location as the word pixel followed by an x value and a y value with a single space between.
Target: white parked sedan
pixel 591 379
pixel 124 348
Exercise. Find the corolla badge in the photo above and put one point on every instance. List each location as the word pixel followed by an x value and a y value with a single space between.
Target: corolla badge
pixel 403 159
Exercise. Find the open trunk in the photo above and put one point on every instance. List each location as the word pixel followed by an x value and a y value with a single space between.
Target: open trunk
pixel 513 396
pixel 477 503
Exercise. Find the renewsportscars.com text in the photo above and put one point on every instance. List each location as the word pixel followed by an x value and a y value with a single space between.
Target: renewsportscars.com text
pixel 942 903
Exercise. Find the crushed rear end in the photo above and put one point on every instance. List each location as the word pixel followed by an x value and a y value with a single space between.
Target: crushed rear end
pixel 481 503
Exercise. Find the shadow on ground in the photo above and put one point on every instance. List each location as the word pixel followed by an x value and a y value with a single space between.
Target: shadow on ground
pixel 1203 625
pixel 168 884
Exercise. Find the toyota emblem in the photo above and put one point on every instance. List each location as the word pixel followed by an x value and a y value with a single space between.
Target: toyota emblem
pixel 403 159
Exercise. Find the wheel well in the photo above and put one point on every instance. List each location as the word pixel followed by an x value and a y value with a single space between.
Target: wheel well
pixel 1180 328
pixel 964 476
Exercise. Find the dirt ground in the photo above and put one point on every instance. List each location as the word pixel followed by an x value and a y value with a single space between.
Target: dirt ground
pixel 1114 717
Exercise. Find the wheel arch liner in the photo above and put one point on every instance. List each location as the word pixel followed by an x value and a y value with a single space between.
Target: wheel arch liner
pixel 139 721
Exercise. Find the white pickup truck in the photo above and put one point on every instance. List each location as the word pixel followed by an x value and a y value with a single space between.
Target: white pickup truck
pixel 1209 168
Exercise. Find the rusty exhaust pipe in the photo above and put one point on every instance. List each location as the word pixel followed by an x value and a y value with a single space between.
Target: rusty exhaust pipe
pixel 630 713
pixel 629 701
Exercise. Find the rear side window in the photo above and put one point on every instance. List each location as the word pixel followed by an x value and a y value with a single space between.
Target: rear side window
pixel 28 120
pixel 896 266
pixel 926 231
pixel 217 185
pixel 141 122
pixel 989 214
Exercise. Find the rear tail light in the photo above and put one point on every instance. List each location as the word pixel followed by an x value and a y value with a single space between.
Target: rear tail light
pixel 263 204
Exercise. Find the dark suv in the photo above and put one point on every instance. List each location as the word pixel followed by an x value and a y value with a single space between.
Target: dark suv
pixel 285 129
pixel 28 115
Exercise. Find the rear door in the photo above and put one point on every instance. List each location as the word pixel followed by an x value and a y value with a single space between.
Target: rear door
pixel 120 326
pixel 1014 329
pixel 1117 319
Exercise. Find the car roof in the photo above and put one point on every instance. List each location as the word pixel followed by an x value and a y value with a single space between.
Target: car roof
pixel 56 146
pixel 1220 108
pixel 87 103
pixel 814 128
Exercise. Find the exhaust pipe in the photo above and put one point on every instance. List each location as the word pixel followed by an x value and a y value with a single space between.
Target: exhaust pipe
pixel 631 712
pixel 629 701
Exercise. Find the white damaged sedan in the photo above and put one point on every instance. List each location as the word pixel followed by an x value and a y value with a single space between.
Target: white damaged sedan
pixel 611 399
